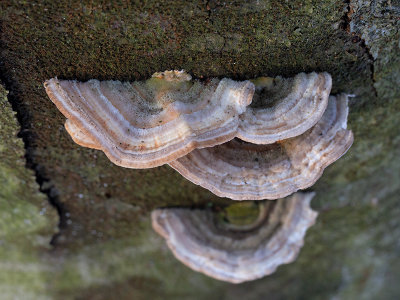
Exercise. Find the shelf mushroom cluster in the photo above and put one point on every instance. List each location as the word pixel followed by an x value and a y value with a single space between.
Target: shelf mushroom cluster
pixel 251 140
pixel 248 140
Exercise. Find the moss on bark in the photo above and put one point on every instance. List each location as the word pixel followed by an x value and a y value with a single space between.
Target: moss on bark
pixel 27 220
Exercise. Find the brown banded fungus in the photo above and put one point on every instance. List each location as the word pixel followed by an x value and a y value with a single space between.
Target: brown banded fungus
pixel 284 107
pixel 203 242
pixel 150 123
pixel 244 171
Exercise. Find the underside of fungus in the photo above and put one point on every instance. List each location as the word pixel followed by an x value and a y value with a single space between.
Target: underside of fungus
pixel 284 107
pixel 209 245
pixel 150 123
pixel 244 171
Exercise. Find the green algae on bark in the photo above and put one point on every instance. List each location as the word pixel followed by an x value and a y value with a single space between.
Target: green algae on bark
pixel 27 220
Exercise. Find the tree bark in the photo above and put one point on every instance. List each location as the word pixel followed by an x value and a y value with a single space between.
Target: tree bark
pixel 105 247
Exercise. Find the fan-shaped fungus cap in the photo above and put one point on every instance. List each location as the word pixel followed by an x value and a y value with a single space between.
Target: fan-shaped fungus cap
pixel 202 242
pixel 147 124
pixel 284 107
pixel 244 171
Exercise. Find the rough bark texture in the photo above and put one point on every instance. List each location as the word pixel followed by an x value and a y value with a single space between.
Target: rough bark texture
pixel 27 220
pixel 105 248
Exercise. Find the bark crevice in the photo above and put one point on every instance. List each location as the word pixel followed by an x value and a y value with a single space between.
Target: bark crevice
pixel 356 38
pixel 45 185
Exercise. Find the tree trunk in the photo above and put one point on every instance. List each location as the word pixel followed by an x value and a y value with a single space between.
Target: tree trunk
pixel 104 247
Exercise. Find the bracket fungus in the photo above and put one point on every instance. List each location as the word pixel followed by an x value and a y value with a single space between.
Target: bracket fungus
pixel 150 123
pixel 244 171
pixel 205 244
pixel 284 107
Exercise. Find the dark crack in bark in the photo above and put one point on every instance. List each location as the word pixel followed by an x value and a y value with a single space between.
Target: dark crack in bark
pixel 372 64
pixel 346 19
pixel 28 137
pixel 208 9
pixel 356 38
